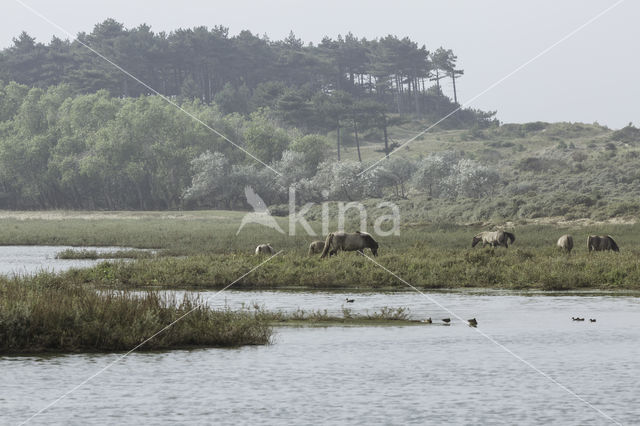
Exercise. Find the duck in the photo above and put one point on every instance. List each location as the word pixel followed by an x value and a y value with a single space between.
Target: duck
pixel 427 321
pixel 592 319
pixel 447 320
pixel 472 322
pixel 350 300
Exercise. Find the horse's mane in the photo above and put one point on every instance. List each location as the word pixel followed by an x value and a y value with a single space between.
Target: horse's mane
pixel 327 246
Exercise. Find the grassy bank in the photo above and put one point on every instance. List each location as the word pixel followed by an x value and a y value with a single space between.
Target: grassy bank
pixel 426 268
pixel 322 318
pixel 202 250
pixel 46 314
pixel 94 254
pixel 42 314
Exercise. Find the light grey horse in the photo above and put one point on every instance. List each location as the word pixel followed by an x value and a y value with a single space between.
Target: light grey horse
pixel 565 243
pixel 264 249
pixel 349 242
pixel 493 238
pixel 316 247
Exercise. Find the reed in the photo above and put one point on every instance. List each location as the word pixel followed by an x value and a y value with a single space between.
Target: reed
pixel 45 314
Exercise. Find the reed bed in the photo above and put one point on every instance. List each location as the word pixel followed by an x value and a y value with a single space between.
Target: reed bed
pixel 46 314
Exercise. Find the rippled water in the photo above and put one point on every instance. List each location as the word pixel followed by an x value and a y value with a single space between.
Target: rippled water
pixel 362 375
pixel 24 260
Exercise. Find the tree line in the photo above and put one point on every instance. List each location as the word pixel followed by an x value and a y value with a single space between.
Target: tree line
pixel 59 149
pixel 241 73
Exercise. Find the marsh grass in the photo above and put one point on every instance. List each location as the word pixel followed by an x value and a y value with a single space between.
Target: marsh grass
pixel 46 314
pixel 423 267
pixel 94 254
pixel 300 317
pixel 201 250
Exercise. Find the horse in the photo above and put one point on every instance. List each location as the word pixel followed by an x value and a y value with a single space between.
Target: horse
pixel 494 238
pixel 349 242
pixel 316 247
pixel 601 243
pixel 565 243
pixel 264 249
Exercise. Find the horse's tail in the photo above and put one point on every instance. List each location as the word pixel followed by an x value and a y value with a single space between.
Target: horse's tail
pixel 311 249
pixel 327 245
pixel 614 246
pixel 569 241
pixel 510 236
pixel 589 239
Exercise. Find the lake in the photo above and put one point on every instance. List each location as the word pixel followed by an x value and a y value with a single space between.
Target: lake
pixel 431 374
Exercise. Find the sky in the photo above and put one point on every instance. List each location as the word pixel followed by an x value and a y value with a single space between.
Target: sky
pixel 589 77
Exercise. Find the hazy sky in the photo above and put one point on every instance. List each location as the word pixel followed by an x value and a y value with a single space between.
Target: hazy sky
pixel 589 77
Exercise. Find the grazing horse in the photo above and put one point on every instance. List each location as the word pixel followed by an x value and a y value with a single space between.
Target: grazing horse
pixel 264 249
pixel 601 243
pixel 565 243
pixel 493 238
pixel 316 247
pixel 349 242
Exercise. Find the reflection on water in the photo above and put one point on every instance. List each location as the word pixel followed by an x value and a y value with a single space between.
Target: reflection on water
pixel 26 260
pixel 362 375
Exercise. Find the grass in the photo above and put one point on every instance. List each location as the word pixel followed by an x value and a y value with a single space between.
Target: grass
pixel 426 268
pixel 48 314
pixel 43 314
pixel 94 254
pixel 301 318
pixel 201 250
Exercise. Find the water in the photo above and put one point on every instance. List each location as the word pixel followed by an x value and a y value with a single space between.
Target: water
pixel 429 374
pixel 27 260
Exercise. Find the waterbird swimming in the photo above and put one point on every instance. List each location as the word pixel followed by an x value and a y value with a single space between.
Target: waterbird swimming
pixel 473 322
pixel 427 321
pixel 447 320
pixel 592 319
pixel 350 300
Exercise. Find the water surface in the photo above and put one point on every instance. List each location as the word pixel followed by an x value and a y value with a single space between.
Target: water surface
pixel 28 260
pixel 362 375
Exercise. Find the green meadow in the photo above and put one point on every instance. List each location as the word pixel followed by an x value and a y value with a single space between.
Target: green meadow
pixel 200 249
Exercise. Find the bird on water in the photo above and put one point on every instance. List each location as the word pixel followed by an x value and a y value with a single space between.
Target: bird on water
pixel 473 322
pixel 350 300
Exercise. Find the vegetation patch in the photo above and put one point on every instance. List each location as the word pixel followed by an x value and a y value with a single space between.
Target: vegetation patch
pixel 94 254
pixel 47 314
